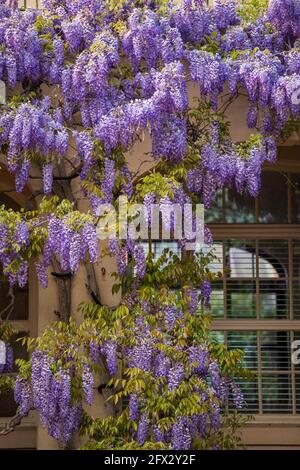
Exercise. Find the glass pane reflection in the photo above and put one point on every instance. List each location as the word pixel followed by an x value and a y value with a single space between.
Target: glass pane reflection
pixel 214 215
pixel 241 299
pixel 273 210
pixel 277 394
pixel 240 208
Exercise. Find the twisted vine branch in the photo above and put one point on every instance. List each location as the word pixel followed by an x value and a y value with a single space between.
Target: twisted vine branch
pixel 12 423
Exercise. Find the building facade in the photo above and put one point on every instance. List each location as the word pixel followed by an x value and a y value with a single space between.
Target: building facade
pixel 255 307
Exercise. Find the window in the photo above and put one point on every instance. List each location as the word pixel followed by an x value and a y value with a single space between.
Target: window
pixel 256 306
pixel 257 281
pixel 230 207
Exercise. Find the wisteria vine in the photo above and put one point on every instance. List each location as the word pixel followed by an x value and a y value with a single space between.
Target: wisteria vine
pixel 86 82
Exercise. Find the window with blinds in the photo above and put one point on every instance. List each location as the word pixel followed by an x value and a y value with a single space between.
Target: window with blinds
pixel 256 305
pixel 275 389
pixel 260 279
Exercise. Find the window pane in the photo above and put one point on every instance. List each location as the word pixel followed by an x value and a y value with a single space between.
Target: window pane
pixel 13 301
pixel 295 190
pixel 273 299
pixel 214 215
pixel 273 210
pixel 158 248
pixel 239 208
pixel 240 258
pixel 8 202
pixel 296 258
pixel 298 393
pixel 250 392
pixel 273 258
pixel 277 394
pixel 7 405
pixel 217 300
pixel 20 352
pixel 217 250
pixel 275 350
pixel 296 299
pixel 241 299
pixel 218 336
pixel 297 350
pixel 247 341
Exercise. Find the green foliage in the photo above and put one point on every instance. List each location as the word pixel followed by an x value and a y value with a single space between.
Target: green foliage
pixel 18 99
pixel 158 402
pixel 251 10
pixel 211 44
pixel 6 384
pixel 173 271
pixel 244 148
pixel 158 184
pixel 44 29
pixel 6 331
pixel 112 433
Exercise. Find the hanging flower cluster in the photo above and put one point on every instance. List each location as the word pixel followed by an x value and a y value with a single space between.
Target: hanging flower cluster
pixel 32 129
pixel 22 55
pixel 68 235
pixel 88 79
pixel 71 238
pixel 233 167
pixel 15 266
pixel 284 15
pixel 130 251
pixel 49 391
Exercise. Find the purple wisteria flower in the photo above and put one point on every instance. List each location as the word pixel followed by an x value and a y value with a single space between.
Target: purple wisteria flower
pixel 175 376
pixel 134 407
pixel 109 349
